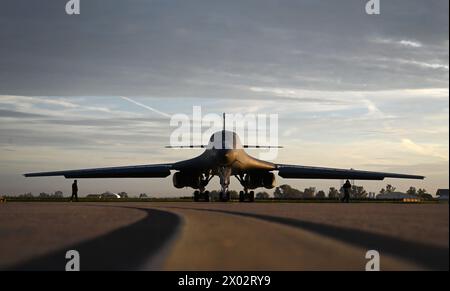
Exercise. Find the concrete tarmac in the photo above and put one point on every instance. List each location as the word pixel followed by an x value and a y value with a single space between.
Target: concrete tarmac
pixel 223 236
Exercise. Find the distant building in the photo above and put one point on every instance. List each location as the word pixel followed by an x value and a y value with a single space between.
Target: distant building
pixel 123 195
pixel 442 194
pixel 110 195
pixel 396 196
pixel 93 196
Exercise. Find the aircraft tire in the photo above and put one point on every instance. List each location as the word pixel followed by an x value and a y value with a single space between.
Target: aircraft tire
pixel 241 196
pixel 252 196
pixel 196 196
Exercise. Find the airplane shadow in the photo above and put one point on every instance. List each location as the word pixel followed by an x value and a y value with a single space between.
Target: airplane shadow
pixel 428 256
pixel 127 248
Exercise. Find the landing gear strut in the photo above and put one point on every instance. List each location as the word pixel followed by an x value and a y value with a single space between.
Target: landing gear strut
pixel 224 196
pixel 245 195
pixel 201 194
pixel 224 175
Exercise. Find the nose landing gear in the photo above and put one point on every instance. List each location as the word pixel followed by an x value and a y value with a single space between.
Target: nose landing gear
pixel 224 196
pixel 224 175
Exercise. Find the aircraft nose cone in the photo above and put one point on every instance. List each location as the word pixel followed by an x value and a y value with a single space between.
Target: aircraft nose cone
pixel 227 156
pixel 230 156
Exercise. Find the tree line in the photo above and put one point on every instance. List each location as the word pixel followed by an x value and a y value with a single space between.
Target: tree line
pixel 356 192
pixel 285 192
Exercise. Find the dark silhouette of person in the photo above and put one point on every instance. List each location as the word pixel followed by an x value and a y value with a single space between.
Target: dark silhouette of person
pixel 347 186
pixel 74 191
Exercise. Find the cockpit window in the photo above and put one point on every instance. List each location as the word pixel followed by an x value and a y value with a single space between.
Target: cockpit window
pixel 225 140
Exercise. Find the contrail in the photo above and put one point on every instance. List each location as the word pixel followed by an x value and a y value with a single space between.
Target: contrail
pixel 146 107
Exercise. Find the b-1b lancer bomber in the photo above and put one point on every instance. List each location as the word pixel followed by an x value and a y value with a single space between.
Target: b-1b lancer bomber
pixel 224 156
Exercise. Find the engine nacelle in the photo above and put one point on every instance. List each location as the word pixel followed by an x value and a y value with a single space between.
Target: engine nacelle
pixel 181 180
pixel 269 180
pixel 256 180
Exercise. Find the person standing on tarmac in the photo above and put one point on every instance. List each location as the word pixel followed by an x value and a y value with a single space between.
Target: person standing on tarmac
pixel 347 186
pixel 74 191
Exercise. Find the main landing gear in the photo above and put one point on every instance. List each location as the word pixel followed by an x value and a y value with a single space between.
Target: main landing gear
pixel 201 196
pixel 246 196
pixel 224 174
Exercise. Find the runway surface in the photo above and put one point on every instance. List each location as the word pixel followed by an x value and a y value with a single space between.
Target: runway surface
pixel 223 236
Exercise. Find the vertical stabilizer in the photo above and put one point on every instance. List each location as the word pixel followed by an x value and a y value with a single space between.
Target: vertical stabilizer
pixel 224 121
pixel 223 132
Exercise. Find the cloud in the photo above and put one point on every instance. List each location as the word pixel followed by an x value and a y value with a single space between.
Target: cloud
pixel 410 43
pixel 307 96
pixel 423 64
pixel 26 101
pixel 58 106
pixel 208 50
pixel 16 114
pixel 426 150
pixel 374 112
pixel 398 42
pixel 346 97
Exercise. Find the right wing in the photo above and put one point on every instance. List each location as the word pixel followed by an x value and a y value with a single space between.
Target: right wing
pixel 305 172
pixel 143 171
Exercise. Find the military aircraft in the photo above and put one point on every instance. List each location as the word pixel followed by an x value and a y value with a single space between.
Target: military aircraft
pixel 224 157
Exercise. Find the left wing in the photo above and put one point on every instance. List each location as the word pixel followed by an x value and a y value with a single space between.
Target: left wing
pixel 304 172
pixel 143 171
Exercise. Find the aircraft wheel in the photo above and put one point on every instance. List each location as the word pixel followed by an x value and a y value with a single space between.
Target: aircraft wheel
pixel 196 196
pixel 225 197
pixel 241 196
pixel 251 196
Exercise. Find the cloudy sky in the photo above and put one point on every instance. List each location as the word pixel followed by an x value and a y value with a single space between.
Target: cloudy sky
pixel 352 90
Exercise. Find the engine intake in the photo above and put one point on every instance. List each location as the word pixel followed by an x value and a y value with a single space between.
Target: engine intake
pixel 269 180
pixel 181 180
pixel 256 180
